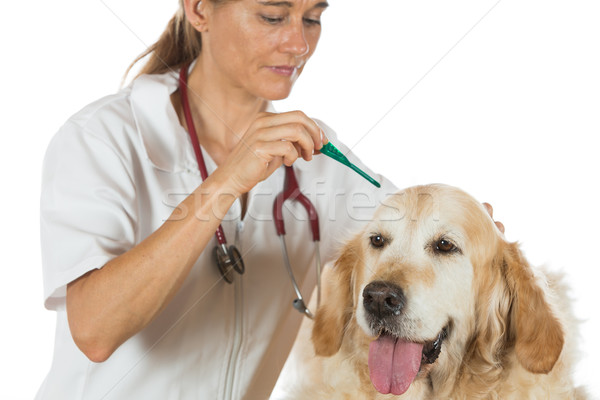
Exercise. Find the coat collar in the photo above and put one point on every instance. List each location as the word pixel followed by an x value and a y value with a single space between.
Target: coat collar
pixel 159 130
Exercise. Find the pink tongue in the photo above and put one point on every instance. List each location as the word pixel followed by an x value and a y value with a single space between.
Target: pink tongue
pixel 393 364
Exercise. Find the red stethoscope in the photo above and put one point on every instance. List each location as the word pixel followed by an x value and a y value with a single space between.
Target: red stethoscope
pixel 228 258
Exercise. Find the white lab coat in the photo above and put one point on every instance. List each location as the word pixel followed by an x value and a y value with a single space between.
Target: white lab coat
pixel 112 175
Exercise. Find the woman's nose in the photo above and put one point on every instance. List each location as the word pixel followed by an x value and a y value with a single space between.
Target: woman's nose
pixel 295 41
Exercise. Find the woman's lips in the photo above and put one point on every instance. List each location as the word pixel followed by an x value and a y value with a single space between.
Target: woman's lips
pixel 282 70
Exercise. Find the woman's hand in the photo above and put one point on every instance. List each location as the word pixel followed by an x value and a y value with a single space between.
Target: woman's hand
pixel 490 211
pixel 270 141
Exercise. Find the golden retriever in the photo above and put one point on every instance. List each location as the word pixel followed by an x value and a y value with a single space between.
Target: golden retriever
pixel 430 301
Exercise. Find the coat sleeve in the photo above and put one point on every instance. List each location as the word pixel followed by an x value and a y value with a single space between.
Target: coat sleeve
pixel 87 209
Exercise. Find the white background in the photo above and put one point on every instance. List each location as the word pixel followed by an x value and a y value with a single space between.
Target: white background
pixel 501 98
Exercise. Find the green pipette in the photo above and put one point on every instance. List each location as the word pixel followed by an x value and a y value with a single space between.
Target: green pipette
pixel 331 151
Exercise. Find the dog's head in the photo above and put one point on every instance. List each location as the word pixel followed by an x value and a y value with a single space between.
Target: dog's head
pixel 431 286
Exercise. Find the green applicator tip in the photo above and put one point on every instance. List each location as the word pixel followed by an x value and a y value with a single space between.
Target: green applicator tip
pixel 331 151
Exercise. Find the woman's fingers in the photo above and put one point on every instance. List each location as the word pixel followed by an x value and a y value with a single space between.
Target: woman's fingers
pixel 500 226
pixel 490 211
pixel 295 118
pixel 294 133
pixel 280 150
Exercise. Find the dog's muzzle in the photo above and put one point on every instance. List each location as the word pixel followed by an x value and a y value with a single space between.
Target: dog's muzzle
pixel 394 361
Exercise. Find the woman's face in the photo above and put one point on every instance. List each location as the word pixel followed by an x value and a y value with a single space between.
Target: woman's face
pixel 260 46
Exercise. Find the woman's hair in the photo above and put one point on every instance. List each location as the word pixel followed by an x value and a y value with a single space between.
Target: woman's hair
pixel 179 44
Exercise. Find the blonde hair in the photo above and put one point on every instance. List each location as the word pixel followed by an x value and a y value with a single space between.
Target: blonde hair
pixel 179 44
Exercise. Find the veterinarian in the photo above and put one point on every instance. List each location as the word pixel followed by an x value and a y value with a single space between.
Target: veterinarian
pixel 128 224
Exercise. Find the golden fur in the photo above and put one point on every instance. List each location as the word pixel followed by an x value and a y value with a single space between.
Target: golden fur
pixel 511 332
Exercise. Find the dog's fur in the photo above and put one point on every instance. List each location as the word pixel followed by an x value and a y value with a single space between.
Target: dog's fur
pixel 511 334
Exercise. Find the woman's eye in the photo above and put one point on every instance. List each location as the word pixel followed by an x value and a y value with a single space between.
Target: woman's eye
pixel 444 246
pixel 272 20
pixel 312 21
pixel 377 241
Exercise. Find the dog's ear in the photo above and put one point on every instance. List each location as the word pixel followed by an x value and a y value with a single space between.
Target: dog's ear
pixel 336 310
pixel 537 333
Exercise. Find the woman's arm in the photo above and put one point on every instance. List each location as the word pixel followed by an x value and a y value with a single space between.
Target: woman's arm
pixel 107 306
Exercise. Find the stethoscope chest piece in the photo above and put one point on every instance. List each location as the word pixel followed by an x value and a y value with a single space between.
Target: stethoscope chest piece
pixel 228 260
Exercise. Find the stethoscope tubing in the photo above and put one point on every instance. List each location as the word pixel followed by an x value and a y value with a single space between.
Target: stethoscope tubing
pixel 229 258
pixel 291 191
pixel 299 303
pixel 220 234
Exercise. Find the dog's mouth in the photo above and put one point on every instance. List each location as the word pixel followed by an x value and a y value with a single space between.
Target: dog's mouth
pixel 394 362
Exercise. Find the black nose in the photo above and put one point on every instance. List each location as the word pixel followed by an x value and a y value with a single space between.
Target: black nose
pixel 383 299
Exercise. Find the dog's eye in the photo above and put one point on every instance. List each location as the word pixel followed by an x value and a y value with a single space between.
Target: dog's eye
pixel 377 241
pixel 445 246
